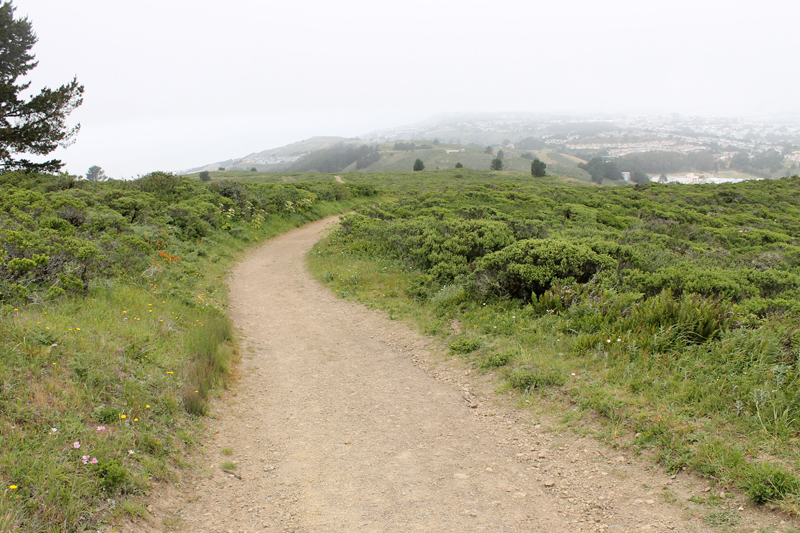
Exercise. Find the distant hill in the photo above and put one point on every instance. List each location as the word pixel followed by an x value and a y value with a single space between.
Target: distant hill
pixel 491 128
pixel 515 133
pixel 454 129
pixel 277 159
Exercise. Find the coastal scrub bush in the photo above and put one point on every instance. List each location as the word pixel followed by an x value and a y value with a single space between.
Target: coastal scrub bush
pixel 529 267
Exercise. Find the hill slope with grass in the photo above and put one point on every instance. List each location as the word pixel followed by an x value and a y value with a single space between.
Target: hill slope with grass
pixel 669 311
pixel 114 331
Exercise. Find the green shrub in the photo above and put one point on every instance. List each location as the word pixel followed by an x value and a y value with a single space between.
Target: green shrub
pixel 465 345
pixel 697 318
pixel 496 360
pixel 765 483
pixel 530 267
pixel 112 475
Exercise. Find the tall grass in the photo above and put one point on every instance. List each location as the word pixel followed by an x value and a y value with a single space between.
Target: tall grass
pixel 212 356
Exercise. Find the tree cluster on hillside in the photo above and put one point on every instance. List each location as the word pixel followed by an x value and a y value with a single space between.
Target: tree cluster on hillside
pixel 530 143
pixel 601 169
pixel 334 159
pixel 666 162
pixel 36 124
pixel 496 164
pixel 405 146
pixel 760 165
pixel 606 169
pixel 418 165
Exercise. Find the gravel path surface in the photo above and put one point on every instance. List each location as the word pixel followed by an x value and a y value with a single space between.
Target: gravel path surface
pixel 343 421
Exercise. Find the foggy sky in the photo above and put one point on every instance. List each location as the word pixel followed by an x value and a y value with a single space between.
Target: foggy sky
pixel 172 84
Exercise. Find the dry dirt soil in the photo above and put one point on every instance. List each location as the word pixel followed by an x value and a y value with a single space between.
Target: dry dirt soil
pixel 345 421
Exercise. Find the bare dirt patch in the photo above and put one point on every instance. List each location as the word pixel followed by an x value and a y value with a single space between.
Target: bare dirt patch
pixel 344 420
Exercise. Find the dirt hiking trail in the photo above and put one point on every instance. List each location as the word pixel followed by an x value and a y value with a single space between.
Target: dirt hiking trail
pixel 343 421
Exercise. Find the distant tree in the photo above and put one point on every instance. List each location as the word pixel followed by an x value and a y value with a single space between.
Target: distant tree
pixel 501 155
pixel 612 171
pixel 436 142
pixel 205 176
pixel 254 169
pixel 488 150
pixel 538 168
pixel 35 124
pixel 527 155
pixel 637 176
pixel 496 164
pixel 419 165
pixel 506 142
pixel 96 173
pixel 221 168
pixel 459 165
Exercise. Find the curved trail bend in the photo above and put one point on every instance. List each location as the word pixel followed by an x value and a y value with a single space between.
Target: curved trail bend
pixel 342 422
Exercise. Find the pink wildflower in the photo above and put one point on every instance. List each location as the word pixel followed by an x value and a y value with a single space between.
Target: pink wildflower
pixel 76 444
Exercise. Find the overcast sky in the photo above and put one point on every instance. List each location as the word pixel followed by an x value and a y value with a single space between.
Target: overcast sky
pixel 172 84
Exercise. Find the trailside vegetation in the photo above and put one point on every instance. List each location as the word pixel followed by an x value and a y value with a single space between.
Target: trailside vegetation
pixel 670 311
pixel 113 334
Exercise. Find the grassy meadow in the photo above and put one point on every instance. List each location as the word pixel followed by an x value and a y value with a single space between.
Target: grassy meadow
pixel 665 317
pixel 114 330
pixel 662 318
